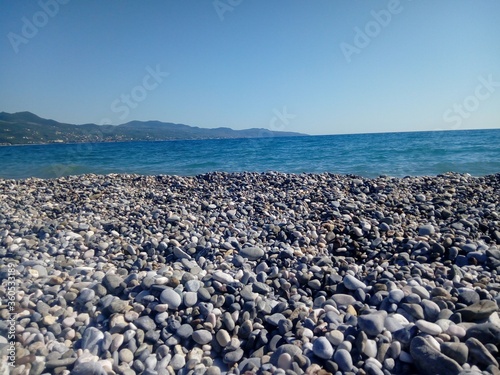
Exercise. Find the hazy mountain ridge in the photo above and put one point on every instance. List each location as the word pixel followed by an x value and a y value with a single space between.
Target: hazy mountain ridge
pixel 28 128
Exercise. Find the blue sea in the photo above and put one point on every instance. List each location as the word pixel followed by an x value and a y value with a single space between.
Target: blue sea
pixel 476 152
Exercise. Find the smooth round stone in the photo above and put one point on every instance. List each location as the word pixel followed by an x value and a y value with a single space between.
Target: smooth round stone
pixel 223 337
pixel 322 348
pixel 222 277
pixel 86 295
pixel 456 330
pixel 184 331
pixel 285 361
pixel 444 324
pixel 161 318
pixel 117 306
pixel 372 369
pixel 126 355
pixel 91 339
pixel 193 285
pixel 228 321
pixel 246 329
pixel 204 294
pixel 428 327
pixel 319 301
pixel 285 326
pixel 389 364
pixel 400 318
pixel 351 283
pixel 426 230
pixel 335 337
pixel 456 350
pixel 480 352
pixel 370 349
pixel 171 298
pixel 372 323
pixel 374 362
pixel 477 311
pixel 202 336
pixel 392 324
pixel 190 298
pixel 420 291
pixel 343 299
pixel 396 295
pixel 86 368
pixel 252 253
pixel 145 323
pixel 347 345
pixel 178 361
pixel 69 321
pixel 426 356
pixel 234 356
pixel 42 271
pixel 314 284
pixel 469 247
pixel 116 343
pixel 433 342
pixel 431 309
pixel 343 359
pixel 395 349
pixel 274 319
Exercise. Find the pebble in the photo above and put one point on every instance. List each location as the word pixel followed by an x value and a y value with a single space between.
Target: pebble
pixel 372 324
pixel 178 361
pixel 427 357
pixel 171 298
pixel 428 327
pixel 343 358
pixel 87 368
pixel 480 352
pixel 202 336
pixel 335 337
pixel 352 283
pixel 223 337
pixel 223 277
pixel 126 355
pixel 252 253
pixel 456 350
pixel 322 348
pixel 426 230
pixel 478 311
pixel 145 323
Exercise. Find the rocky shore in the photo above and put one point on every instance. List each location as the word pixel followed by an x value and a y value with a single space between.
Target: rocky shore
pixel 250 273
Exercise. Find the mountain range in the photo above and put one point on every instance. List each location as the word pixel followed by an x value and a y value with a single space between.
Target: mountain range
pixel 28 128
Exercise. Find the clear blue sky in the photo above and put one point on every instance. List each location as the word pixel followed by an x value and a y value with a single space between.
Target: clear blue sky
pixel 242 65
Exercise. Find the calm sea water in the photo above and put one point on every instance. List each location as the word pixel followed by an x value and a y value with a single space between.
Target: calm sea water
pixel 395 154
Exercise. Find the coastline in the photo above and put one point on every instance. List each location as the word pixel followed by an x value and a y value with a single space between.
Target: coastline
pixel 235 272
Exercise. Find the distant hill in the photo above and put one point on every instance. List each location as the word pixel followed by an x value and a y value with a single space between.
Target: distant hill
pixel 27 128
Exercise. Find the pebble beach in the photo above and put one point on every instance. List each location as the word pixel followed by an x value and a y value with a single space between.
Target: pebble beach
pixel 240 273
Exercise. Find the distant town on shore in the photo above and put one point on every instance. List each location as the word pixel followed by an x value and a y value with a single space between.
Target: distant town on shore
pixel 27 128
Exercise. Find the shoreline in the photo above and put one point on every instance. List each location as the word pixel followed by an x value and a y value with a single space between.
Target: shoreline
pixel 260 272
